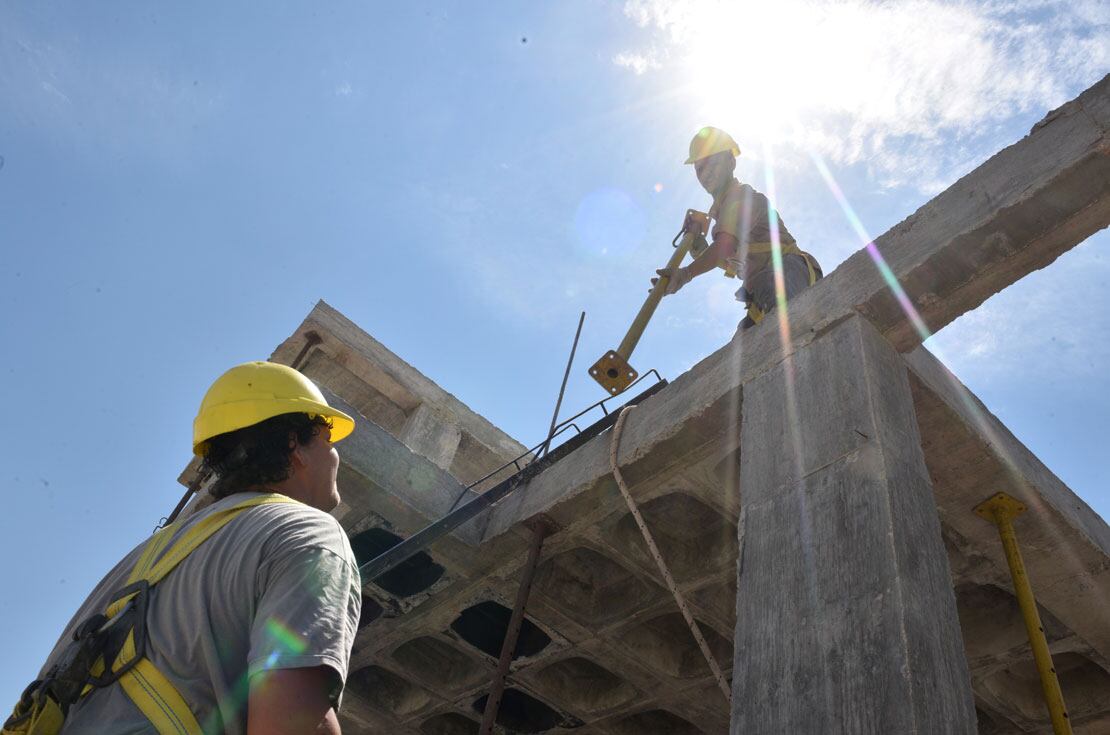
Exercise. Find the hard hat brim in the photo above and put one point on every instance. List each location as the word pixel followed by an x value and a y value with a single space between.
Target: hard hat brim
pixel 734 150
pixel 237 415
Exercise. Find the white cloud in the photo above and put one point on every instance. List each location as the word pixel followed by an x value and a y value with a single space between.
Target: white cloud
pixel 638 63
pixel 914 90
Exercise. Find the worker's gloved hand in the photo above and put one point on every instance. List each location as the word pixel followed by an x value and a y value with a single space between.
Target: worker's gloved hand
pixel 698 246
pixel 676 278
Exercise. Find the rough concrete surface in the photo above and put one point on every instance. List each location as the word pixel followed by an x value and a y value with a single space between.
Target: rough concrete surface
pixel 846 619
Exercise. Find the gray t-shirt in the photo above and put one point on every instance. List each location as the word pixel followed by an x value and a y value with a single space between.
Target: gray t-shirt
pixel 276 588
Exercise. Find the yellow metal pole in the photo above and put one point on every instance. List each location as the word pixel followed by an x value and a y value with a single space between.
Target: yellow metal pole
pixel 613 371
pixel 1001 509
pixel 632 337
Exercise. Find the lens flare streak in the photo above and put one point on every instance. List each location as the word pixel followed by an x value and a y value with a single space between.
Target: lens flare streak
pixel 869 244
pixel 793 421
pixel 286 641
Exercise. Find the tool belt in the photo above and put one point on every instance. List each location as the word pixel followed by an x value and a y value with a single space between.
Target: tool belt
pixel 111 646
pixel 755 313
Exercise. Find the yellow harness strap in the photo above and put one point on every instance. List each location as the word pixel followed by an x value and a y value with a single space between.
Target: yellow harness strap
pixel 731 266
pixel 155 696
pixel 754 312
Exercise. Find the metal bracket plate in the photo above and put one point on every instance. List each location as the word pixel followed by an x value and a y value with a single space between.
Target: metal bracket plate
pixel 999 505
pixel 613 373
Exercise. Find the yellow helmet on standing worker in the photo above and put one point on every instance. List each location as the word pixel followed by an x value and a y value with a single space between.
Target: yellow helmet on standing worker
pixel 250 393
pixel 709 141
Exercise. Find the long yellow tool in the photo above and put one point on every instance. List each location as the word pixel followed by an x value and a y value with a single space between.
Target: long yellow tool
pixel 1001 509
pixel 612 371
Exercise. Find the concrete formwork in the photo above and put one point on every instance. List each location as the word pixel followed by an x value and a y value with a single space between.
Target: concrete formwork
pixel 840 466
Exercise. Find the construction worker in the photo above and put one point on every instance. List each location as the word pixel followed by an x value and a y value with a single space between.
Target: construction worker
pixel 238 618
pixel 741 233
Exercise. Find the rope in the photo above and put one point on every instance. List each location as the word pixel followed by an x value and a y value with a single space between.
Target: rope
pixel 614 446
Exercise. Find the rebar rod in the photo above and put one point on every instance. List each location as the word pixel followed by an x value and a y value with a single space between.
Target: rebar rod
pixel 563 387
pixel 541 528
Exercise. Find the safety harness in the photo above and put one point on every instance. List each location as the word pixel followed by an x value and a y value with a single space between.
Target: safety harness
pixel 111 646
pixel 763 248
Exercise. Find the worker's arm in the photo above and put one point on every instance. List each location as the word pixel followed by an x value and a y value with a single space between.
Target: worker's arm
pixel 721 249
pixel 305 620
pixel 292 702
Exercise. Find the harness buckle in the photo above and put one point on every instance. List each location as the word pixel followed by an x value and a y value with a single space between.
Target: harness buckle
pixel 131 620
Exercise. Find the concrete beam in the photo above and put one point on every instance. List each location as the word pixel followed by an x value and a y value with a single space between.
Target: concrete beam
pixel 846 620
pixel 384 473
pixel 370 361
pixel 1015 213
pixel 431 436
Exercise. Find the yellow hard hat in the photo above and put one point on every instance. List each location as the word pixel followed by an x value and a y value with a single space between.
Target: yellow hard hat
pixel 709 141
pixel 255 391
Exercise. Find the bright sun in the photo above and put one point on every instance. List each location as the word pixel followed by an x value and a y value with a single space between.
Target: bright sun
pixel 769 72
pixel 760 69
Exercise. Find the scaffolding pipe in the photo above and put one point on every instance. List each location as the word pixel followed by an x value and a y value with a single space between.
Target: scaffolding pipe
pixel 541 527
pixel 1001 509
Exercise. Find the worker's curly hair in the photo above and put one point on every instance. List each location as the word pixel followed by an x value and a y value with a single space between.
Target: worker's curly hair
pixel 258 455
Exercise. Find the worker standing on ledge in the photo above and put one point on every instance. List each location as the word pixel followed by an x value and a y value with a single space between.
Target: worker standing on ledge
pixel 741 233
pixel 250 631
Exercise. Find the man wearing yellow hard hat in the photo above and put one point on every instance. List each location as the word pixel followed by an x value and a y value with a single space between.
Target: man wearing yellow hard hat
pixel 239 618
pixel 743 221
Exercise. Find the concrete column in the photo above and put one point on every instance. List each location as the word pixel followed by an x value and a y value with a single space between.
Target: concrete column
pixel 846 619
pixel 431 437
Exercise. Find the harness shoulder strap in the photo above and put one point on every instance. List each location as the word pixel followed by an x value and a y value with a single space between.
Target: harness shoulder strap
pixel 151 567
pixel 150 690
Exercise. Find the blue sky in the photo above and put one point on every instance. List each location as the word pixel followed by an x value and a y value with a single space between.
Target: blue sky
pixel 180 184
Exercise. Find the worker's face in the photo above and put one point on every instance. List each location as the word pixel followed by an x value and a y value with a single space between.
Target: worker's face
pixel 319 464
pixel 714 172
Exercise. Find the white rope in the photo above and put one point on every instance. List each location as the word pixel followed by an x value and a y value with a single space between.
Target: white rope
pixel 614 446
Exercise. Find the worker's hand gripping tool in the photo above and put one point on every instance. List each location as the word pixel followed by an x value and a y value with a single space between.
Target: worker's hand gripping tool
pixel 612 371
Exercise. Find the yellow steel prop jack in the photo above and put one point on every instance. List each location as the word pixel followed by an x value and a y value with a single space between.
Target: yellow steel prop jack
pixel 1001 509
pixel 612 371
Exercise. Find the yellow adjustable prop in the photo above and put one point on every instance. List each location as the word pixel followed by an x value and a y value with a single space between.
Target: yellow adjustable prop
pixel 612 371
pixel 1001 509
pixel 155 696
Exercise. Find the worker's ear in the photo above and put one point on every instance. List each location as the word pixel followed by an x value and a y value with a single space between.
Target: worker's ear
pixel 296 457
